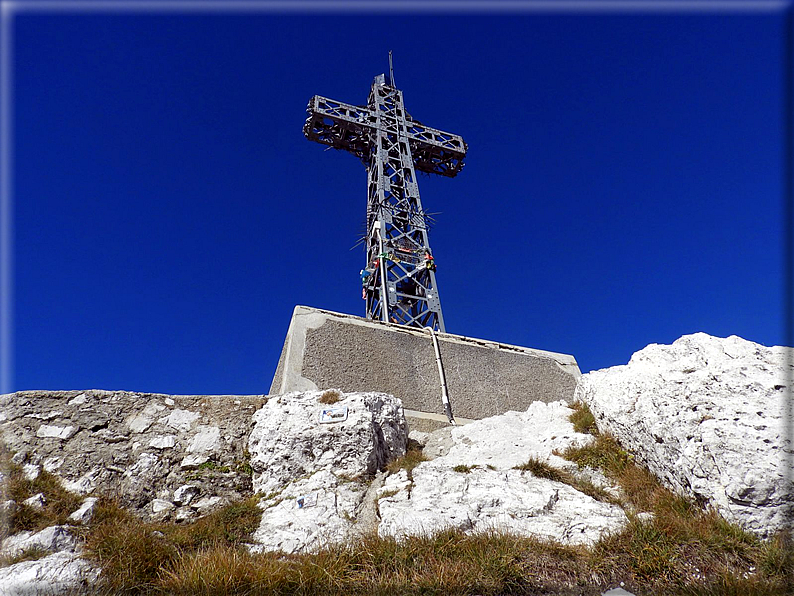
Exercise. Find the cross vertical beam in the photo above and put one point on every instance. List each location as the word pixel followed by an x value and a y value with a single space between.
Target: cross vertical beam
pixel 399 279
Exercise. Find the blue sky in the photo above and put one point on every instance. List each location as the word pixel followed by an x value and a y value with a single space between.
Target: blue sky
pixel 623 185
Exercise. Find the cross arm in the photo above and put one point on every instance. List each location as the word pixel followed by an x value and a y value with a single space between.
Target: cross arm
pixel 345 126
pixel 435 151
pixel 340 125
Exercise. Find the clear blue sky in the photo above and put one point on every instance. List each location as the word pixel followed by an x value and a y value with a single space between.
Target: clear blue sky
pixel 623 184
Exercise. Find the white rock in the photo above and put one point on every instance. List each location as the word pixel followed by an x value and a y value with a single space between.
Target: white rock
pixel 37 501
pixel 85 483
pixel 484 499
pixel 705 415
pixel 52 539
pixel 419 436
pixel 139 423
pixel 56 574
pixel 7 508
pixel 207 503
pixel 185 493
pixel 51 464
pixel 207 440
pixel 56 432
pixel 190 462
pixel 184 514
pixel 160 505
pixel 163 442
pixel 326 517
pixel 145 462
pixel 85 512
pixel 153 408
pixel 31 471
pixel 492 495
pixel 288 442
pixel 181 420
pixel 169 401
pixel 508 440
pixel 78 400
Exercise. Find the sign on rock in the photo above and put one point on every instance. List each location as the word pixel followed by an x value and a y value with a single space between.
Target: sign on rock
pixel 328 415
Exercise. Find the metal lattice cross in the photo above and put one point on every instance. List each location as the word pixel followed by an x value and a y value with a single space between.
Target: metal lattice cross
pixel 399 279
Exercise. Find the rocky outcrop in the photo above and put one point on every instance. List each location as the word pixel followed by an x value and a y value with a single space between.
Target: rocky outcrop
pixel 163 456
pixel 472 485
pixel 61 569
pixel 58 573
pixel 313 461
pixel 292 437
pixel 705 415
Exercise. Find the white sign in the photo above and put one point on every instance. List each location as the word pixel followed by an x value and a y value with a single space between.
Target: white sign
pixel 328 415
pixel 309 500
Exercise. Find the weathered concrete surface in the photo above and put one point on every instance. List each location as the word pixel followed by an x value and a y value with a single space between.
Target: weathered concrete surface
pixel 324 349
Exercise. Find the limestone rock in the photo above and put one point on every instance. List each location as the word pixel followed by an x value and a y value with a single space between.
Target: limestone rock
pixel 31 471
pixel 288 441
pixel 315 475
pixel 52 539
pixel 56 432
pixel 483 499
pixel 37 501
pixel 163 442
pixel 59 573
pixel 185 493
pixel 508 440
pixel 705 415
pixel 85 512
pixel 309 513
pixel 485 492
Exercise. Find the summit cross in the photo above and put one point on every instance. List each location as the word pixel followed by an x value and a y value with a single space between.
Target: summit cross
pixel 399 279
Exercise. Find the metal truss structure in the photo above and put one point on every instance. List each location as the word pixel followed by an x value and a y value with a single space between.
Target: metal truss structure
pixel 399 279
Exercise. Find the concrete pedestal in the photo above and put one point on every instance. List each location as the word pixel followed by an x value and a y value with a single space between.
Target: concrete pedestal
pixel 326 350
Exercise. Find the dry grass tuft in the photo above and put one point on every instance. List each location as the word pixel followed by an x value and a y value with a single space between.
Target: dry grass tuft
pixel 541 469
pixel 135 555
pixel 58 502
pixel 683 548
pixel 330 397
pixel 651 558
pixel 29 554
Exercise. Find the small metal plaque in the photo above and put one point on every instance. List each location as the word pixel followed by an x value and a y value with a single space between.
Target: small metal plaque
pixel 304 501
pixel 329 415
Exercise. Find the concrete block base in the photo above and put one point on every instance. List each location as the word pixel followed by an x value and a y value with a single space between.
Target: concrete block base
pixel 326 350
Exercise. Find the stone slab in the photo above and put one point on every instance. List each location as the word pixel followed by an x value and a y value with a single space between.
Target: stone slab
pixel 324 350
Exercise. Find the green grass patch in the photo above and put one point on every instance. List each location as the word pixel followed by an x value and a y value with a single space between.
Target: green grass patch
pixel 603 453
pixel 412 458
pixel 583 419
